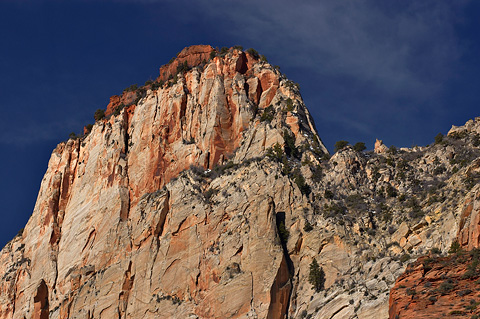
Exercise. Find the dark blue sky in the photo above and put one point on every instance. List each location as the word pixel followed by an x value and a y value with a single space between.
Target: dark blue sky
pixel 401 71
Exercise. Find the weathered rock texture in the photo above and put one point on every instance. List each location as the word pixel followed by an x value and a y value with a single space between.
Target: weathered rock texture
pixel 435 287
pixel 208 193
pixel 109 238
pixel 438 287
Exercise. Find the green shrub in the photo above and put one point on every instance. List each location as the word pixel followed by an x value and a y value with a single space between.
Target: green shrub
pixel 439 138
pixel 476 140
pixel 290 148
pixel 340 145
pixel 300 181
pixel 286 168
pixel 283 232
pixel 308 227
pixel 88 128
pixel 131 88
pixel 458 135
pixel 268 114
pixel 316 276
pixel 209 194
pixel 99 115
pixel 455 248
pixel 118 109
pixel 328 194
pixel 289 105
pixel 405 257
pixel 292 85
pixel 156 85
pixel 275 152
pixel 223 50
pixel 317 173
pixel 411 291
pixel 392 149
pixel 439 170
pixel 390 162
pixel 469 182
pixel 446 286
pixel 391 191
pixel 359 147
pixel 355 201
pixel 253 53
pixel 183 67
pixel 334 210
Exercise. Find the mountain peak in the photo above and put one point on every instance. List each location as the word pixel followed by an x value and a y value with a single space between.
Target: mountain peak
pixel 208 106
pixel 115 199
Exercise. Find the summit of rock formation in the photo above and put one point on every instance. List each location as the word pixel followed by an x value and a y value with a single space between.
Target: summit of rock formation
pixel 208 193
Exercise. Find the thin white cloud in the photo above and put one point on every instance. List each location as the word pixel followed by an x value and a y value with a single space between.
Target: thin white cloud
pixel 401 50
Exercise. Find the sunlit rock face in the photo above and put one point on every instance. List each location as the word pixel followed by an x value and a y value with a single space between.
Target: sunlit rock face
pixel 207 193
pixel 119 231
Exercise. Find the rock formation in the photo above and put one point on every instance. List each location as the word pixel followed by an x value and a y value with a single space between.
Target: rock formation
pixel 380 147
pixel 207 193
pixel 438 287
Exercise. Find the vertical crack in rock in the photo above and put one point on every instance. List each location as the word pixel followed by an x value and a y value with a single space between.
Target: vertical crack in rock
pixel 125 209
pixel 282 285
pixel 280 292
pixel 163 215
pixel 40 302
pixel 125 293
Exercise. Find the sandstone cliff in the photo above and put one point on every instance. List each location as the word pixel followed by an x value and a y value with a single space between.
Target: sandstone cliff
pixel 119 231
pixel 207 193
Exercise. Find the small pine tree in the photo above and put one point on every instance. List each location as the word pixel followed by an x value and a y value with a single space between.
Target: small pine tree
pixel 359 147
pixel 439 138
pixel 99 115
pixel 340 145
pixel 455 247
pixel 316 277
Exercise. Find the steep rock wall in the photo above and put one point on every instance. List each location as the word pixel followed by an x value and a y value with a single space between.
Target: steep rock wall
pixel 111 237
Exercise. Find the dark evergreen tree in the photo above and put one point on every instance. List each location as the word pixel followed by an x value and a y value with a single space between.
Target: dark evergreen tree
pixel 316 276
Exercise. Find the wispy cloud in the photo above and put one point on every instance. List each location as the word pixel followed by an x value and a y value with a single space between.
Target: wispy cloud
pixel 402 48
pixel 399 48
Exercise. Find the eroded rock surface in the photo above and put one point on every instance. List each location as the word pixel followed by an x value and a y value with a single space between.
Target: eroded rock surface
pixel 208 193
pixel 438 287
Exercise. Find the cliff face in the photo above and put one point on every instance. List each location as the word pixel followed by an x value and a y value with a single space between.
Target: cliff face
pixel 208 193
pixel 442 286
pixel 110 238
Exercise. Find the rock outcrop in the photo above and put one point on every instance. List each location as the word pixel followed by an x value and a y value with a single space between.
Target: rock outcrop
pixel 207 193
pixel 119 231
pixel 438 287
pixel 380 147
